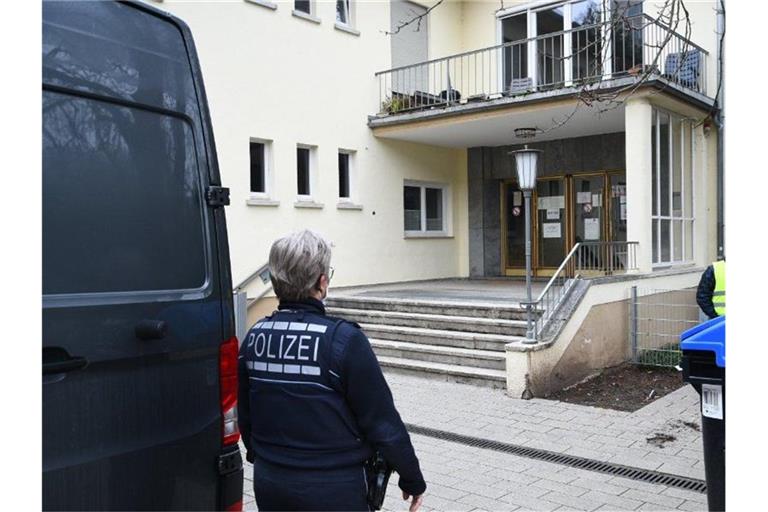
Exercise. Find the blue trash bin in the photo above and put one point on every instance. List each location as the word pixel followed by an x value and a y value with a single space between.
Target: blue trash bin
pixel 703 365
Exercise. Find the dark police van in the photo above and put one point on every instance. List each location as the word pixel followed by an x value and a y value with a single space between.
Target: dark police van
pixel 139 353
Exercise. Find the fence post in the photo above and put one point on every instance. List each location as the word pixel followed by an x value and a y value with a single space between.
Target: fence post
pixel 633 322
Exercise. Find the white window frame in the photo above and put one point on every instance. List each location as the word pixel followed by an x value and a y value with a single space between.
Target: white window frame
pixel 307 200
pixel 685 217
pixel 348 203
pixel 267 197
pixel 351 23
pixel 310 16
pixel 447 231
pixel 348 4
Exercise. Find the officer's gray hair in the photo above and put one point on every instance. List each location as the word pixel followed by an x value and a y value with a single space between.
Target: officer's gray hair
pixel 296 262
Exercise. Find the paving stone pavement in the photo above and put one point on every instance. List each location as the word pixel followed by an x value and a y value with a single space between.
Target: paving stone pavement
pixel 463 478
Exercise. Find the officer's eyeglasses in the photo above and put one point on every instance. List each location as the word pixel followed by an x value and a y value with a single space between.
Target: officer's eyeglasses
pixel 330 274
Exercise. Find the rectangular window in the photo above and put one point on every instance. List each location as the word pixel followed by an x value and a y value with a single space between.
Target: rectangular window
pixel 303 176
pixel 344 175
pixel 672 185
pixel 343 12
pixel 258 168
pixel 412 201
pixel 303 6
pixel 426 207
pixel 122 194
pixel 434 209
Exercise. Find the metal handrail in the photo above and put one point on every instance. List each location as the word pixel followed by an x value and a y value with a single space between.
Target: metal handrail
pixel 257 273
pixel 558 288
pixel 557 272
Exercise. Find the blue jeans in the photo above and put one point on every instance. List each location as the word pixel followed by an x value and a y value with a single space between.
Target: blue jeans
pixel 279 488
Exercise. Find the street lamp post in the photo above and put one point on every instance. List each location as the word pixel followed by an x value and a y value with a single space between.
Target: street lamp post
pixel 526 161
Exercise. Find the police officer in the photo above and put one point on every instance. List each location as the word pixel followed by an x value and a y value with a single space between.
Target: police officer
pixel 710 294
pixel 313 403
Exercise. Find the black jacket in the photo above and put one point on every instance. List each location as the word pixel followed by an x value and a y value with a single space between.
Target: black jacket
pixel 312 395
pixel 705 292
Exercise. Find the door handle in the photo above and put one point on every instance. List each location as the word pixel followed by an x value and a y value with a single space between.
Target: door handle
pixel 57 360
pixel 151 329
pixel 75 363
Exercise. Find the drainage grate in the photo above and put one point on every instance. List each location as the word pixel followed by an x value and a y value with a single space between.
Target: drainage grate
pixel 644 475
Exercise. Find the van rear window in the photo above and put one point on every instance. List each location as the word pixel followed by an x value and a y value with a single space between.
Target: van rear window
pixel 122 202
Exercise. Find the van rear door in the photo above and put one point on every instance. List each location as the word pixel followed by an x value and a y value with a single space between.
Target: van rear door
pixel 135 266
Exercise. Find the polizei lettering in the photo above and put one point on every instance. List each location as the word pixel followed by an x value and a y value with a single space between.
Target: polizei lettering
pixel 289 347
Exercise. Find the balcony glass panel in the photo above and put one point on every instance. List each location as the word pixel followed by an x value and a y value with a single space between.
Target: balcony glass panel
pixel 515 28
pixel 586 39
pixel 549 48
pixel 628 23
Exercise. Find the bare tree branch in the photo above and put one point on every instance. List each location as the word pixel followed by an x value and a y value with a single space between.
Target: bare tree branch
pixel 416 19
pixel 611 39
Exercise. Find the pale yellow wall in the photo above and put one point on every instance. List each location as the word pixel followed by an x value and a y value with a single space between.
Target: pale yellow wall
pixel 445 34
pixel 480 29
pixel 271 75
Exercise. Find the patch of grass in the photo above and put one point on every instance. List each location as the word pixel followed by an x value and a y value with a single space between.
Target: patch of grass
pixel 667 356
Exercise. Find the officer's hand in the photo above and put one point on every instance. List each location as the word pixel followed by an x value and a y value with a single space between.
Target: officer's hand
pixel 415 503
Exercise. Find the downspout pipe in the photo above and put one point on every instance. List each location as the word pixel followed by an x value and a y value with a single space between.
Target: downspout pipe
pixel 720 122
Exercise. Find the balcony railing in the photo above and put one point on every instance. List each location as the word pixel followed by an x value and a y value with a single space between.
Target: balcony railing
pixel 638 47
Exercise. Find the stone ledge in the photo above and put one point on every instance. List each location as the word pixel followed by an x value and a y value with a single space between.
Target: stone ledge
pixel 308 204
pixel 344 205
pixel 256 201
pixel 306 17
pixel 263 3
pixel 346 28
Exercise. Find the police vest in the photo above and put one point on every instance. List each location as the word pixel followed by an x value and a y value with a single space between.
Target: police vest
pixel 718 297
pixel 299 416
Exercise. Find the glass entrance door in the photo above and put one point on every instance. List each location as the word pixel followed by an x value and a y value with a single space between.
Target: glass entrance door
pixel 618 225
pixel 589 218
pixel 565 210
pixel 551 232
pixel 514 229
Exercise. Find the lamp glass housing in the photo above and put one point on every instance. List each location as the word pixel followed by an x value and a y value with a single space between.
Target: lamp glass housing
pixel 526 161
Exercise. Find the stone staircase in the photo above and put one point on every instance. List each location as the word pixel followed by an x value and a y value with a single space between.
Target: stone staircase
pixel 447 340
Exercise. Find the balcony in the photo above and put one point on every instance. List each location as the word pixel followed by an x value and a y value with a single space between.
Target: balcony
pixel 595 62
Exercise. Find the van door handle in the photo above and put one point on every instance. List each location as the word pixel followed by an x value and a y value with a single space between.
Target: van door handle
pixel 76 363
pixel 57 360
pixel 151 329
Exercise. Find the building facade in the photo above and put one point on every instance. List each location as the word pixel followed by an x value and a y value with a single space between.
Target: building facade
pixel 387 126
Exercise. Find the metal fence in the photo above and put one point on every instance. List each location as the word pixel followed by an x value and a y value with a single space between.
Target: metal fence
pixel 635 46
pixel 656 319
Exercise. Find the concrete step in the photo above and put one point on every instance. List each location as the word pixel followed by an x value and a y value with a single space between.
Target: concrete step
pixel 431 321
pixel 477 341
pixel 449 372
pixel 449 308
pixel 439 354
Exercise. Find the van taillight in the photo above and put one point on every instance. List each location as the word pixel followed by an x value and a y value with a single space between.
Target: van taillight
pixel 228 386
pixel 235 507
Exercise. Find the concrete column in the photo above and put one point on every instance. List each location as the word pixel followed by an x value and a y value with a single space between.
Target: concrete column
pixel 475 209
pixel 705 196
pixel 637 124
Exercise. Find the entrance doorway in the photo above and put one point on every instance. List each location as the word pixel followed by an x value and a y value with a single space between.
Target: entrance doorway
pixel 566 209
